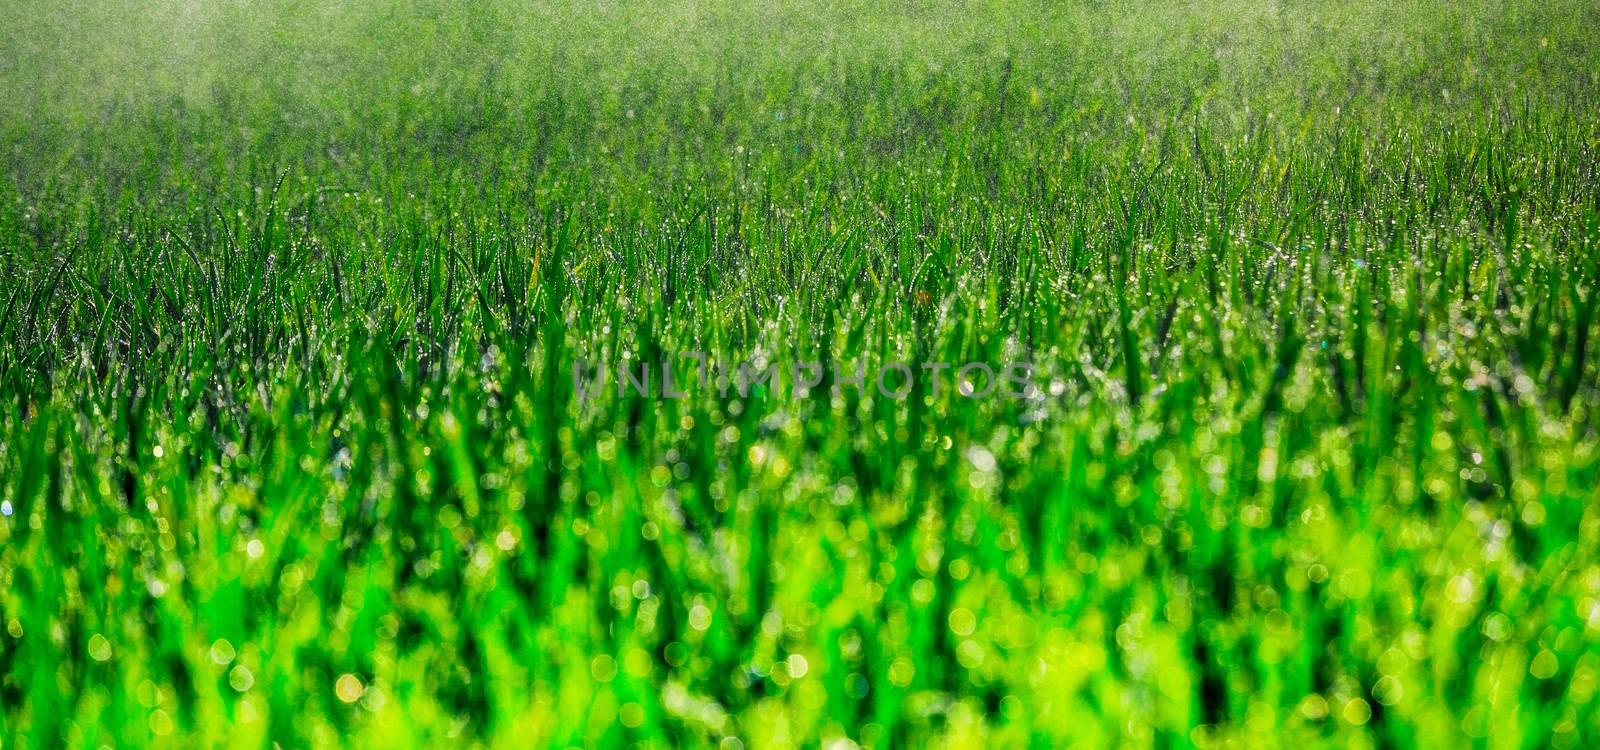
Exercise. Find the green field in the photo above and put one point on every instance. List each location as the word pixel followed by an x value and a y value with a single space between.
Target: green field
pixel 292 449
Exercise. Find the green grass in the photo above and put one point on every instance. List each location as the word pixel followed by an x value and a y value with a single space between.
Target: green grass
pixel 291 294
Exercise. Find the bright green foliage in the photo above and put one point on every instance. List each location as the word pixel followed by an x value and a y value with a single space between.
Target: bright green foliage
pixel 291 294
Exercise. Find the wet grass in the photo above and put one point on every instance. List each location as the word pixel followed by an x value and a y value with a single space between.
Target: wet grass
pixel 291 299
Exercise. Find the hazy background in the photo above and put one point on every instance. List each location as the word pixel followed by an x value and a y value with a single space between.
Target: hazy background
pixel 200 85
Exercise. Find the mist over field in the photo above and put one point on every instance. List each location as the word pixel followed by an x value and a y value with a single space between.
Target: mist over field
pixel 302 305
pixel 354 86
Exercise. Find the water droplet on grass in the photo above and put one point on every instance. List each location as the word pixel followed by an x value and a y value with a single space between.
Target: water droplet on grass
pixel 349 688
pixel 99 648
